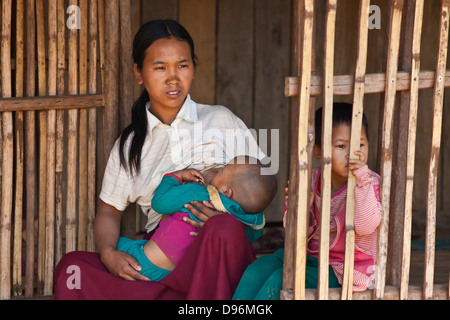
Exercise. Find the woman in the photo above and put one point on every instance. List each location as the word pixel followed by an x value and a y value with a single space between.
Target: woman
pixel 168 132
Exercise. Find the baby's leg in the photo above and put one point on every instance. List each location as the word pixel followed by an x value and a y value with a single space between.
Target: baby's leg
pixel 157 256
pixel 135 249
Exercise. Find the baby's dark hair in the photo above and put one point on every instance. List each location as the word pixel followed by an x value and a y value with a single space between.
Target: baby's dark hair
pixel 342 114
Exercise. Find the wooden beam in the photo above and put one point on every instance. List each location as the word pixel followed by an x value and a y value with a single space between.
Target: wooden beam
pixel 373 83
pixel 52 103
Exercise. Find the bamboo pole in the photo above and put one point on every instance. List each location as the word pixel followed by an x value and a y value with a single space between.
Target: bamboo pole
pixel 303 174
pixel 71 223
pixel 411 144
pixel 51 151
pixel 18 200
pixel 82 153
pixel 327 129
pixel 30 152
pixel 396 7
pixel 61 56
pixel 358 99
pixel 291 217
pixel 42 89
pixel 92 126
pixel 111 87
pixel 102 40
pixel 438 102
pixel 7 156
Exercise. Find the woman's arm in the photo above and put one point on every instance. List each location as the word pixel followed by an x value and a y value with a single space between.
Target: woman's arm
pixel 107 231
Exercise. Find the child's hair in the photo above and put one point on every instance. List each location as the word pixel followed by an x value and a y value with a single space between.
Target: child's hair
pixel 253 190
pixel 144 38
pixel 342 114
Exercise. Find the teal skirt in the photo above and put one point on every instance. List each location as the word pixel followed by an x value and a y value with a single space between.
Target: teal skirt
pixel 262 280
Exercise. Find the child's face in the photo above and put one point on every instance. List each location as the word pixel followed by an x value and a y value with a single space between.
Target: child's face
pixel 340 154
pixel 167 73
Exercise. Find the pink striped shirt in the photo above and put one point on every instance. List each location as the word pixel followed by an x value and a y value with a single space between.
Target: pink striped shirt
pixel 367 220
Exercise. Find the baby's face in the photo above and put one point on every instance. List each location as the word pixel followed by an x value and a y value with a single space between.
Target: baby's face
pixel 221 180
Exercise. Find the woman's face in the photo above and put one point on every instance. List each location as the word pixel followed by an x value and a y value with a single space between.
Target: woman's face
pixel 167 74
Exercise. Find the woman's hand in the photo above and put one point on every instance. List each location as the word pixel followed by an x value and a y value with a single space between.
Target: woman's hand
pixel 122 265
pixel 106 231
pixel 205 211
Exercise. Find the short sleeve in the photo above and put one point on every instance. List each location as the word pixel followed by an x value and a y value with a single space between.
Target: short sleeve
pixel 116 187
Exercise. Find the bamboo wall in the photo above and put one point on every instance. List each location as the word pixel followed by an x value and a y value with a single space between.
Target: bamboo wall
pixel 52 100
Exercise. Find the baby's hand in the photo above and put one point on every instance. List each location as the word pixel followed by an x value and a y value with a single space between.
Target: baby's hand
pixel 355 164
pixel 191 175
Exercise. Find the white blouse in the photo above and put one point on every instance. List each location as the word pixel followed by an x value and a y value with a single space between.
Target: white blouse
pixel 200 137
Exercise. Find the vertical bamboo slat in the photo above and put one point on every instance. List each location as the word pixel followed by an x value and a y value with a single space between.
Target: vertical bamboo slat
pixel 42 90
pixel 51 152
pixel 411 145
pixel 358 99
pixel 111 110
pixel 82 153
pixel 71 223
pixel 396 7
pixel 7 156
pixel 327 126
pixel 303 191
pixel 30 152
pixel 92 126
pixel 438 101
pixel 61 56
pixel 18 199
pixel 291 216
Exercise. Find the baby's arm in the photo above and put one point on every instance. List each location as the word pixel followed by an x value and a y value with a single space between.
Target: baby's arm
pixel 171 195
pixel 368 206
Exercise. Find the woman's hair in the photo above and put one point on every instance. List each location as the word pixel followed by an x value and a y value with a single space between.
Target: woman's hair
pixel 144 38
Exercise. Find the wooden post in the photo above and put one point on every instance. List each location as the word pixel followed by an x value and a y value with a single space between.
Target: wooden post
pixel 358 99
pixel 396 7
pixel 18 200
pixel 8 155
pixel 51 150
pixel 438 101
pixel 327 130
pixel 303 157
pixel 83 127
pixel 59 198
pixel 42 90
pixel 30 152
pixel 111 87
pixel 92 126
pixel 412 128
pixel 71 222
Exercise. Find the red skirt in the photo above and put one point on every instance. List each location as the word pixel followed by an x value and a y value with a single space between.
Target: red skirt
pixel 211 269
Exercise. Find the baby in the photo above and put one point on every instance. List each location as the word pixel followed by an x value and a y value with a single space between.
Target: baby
pixel 238 188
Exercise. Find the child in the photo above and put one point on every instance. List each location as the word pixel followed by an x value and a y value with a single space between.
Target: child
pixel 238 188
pixel 263 278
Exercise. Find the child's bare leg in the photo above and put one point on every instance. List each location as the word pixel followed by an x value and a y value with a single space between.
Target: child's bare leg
pixel 157 256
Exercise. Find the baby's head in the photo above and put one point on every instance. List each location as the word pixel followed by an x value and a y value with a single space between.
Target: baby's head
pixel 241 181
